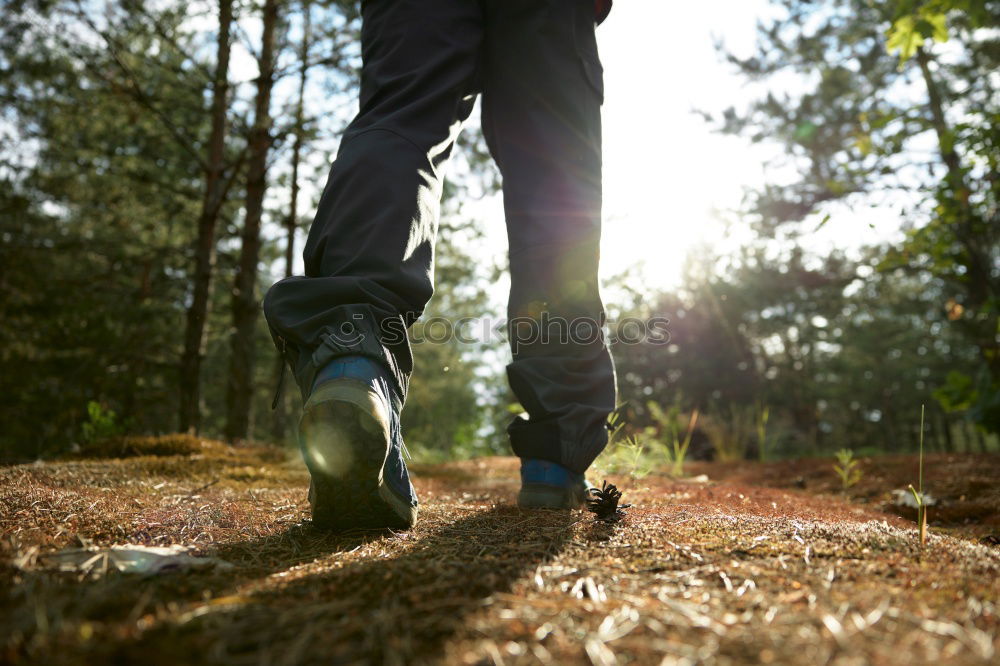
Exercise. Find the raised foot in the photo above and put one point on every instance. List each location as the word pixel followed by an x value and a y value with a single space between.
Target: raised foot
pixel 345 443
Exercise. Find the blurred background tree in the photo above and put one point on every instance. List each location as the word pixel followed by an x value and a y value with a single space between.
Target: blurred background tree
pixel 893 101
pixel 100 187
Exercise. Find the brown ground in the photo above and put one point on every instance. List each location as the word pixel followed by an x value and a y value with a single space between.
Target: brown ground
pixel 724 572
pixel 965 487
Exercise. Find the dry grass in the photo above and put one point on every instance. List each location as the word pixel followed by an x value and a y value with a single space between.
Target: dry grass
pixel 715 573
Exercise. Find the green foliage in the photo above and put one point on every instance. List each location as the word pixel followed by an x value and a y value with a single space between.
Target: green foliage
pixel 628 453
pixel 101 423
pixel 831 347
pixel 638 451
pixel 729 429
pixel 791 352
pixel 846 468
pixel 668 424
pixel 631 455
pixel 909 31
pixel 107 200
pixel 978 396
pixel 854 128
pixel 916 21
pixel 958 392
pixel 101 200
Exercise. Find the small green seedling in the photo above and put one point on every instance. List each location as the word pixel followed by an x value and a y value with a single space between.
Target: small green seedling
pixel 626 454
pixel 847 469
pixel 918 494
pixel 635 457
pixel 102 423
pixel 679 448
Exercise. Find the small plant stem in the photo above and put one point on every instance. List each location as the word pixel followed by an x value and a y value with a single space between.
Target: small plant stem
pixel 922 508
pixel 921 473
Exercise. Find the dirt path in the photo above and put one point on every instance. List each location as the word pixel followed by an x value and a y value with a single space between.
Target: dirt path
pixel 697 573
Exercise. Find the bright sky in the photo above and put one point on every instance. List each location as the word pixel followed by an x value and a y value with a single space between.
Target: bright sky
pixel 665 170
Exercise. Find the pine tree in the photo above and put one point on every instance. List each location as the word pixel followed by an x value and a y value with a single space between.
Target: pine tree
pixel 216 186
pixel 853 128
pixel 245 305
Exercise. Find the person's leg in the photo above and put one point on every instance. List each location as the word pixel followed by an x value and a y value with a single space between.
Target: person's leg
pixel 542 93
pixel 369 259
pixel 369 255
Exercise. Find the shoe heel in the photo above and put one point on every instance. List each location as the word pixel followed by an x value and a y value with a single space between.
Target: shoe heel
pixel 344 437
pixel 547 497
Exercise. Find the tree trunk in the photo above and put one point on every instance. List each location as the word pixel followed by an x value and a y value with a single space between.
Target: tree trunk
pixel 197 313
pixel 291 222
pixel 240 389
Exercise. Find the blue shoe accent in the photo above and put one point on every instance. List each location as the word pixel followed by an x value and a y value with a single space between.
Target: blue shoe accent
pixel 360 368
pixel 548 485
pixel 352 443
pixel 548 473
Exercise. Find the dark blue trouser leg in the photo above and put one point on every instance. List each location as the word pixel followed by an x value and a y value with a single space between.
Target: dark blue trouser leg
pixel 542 96
pixel 369 256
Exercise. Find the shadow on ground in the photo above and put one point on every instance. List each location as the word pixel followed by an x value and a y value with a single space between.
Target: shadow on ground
pixel 389 608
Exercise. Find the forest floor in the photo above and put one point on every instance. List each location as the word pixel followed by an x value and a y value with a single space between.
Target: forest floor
pixel 762 563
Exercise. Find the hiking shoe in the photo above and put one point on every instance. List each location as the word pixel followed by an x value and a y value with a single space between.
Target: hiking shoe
pixel 351 441
pixel 547 485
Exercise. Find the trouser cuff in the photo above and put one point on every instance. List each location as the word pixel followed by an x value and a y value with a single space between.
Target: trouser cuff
pixel 310 341
pixel 545 440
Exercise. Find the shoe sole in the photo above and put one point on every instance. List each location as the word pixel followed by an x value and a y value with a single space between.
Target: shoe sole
pixel 344 436
pixel 538 496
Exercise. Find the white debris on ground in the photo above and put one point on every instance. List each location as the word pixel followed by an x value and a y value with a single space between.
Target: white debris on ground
pixel 127 558
pixel 904 497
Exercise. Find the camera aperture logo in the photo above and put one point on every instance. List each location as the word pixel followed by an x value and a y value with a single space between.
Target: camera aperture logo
pixel 520 332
